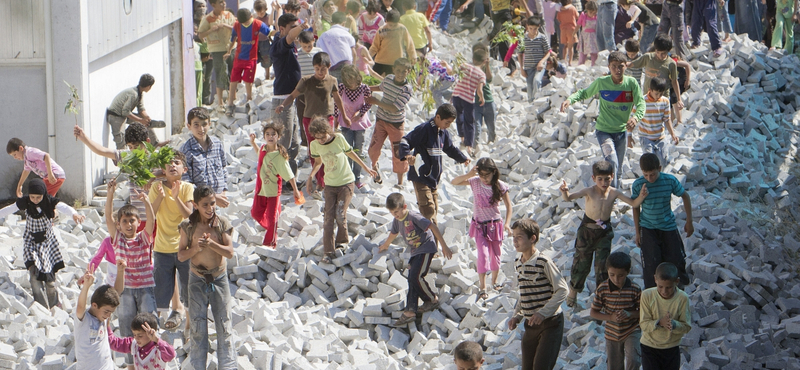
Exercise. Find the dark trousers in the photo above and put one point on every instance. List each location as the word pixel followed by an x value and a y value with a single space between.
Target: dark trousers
pixel 590 244
pixel 208 95
pixel 672 23
pixel 661 359
pixel 383 69
pixel 662 246
pixel 541 343
pixel 418 267
pixel 465 120
pixel 498 18
pixel 704 16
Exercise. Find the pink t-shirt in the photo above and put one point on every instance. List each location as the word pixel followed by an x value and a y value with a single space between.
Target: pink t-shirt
pixel 106 252
pixel 34 162
pixel 484 210
pixel 368 29
pixel 465 88
pixel 352 101
pixel 137 254
pixel 550 10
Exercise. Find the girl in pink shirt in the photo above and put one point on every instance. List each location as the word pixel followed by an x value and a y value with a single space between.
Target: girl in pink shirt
pixel 355 95
pixel 369 22
pixel 148 350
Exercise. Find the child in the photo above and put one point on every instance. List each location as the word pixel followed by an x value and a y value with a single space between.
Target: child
pixel 672 23
pixel 134 248
pixel 568 25
pixel 442 78
pixel 369 22
pixel 392 42
pixel 651 128
pixel 616 301
pixel 216 28
pixel 305 57
pixel 587 45
pixel 39 162
pixel 550 10
pixel 468 355
pixel 624 21
pixel 665 317
pixel 264 42
pixel 205 156
pixel 704 16
pixel 487 227
pixel 148 350
pixel 467 88
pixel 205 240
pixel 595 233
pixel 355 99
pixel 656 230
pixel 784 22
pixel 364 61
pixel 172 204
pixel 536 49
pixel 92 349
pixel 390 118
pixel 40 246
pixel 245 37
pixel 633 52
pixel 417 26
pixel 620 95
pixel 333 150
pixel 488 111
pixel 431 141
pixel 542 290
pixel 648 22
pixel 353 9
pixel 658 64
pixel 418 233
pixel 684 80
pixel 553 68
pixel 272 170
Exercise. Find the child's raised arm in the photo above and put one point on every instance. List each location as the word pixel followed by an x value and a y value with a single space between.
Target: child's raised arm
pixel 92 145
pixel 109 209
pixel 253 143
pixel 88 280
pixel 119 283
pixel 570 197
pixel 150 226
pixel 464 179
pixel 632 202
pixel 438 235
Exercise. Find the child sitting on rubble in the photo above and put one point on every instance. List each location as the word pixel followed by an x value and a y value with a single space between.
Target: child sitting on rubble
pixel 656 116
pixel 595 233
pixel 148 350
pixel 487 227
pixel 205 240
pixel 418 233
pixel 553 68
pixel 665 316
pixel 468 355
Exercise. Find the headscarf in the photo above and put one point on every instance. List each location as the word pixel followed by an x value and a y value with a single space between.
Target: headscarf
pixel 44 208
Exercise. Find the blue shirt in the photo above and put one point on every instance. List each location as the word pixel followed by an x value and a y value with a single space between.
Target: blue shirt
pixel 247 43
pixel 286 66
pixel 656 210
pixel 206 167
pixel 415 230
pixel 431 144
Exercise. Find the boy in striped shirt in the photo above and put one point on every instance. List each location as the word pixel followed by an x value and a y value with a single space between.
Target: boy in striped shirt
pixel 616 302
pixel 533 57
pixel 542 289
pixel 656 116
pixel 467 88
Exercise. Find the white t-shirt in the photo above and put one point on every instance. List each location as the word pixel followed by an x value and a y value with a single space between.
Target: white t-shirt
pixel 92 351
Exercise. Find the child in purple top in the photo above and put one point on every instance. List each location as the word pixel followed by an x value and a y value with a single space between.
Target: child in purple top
pixel 38 162
pixel 355 96
pixel 487 225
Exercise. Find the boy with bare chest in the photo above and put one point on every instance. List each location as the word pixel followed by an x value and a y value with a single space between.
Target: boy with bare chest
pixel 595 234
pixel 206 242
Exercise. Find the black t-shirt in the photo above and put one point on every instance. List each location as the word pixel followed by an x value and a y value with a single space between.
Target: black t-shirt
pixel 287 68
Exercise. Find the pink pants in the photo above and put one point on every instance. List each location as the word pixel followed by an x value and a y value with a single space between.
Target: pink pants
pixel 488 241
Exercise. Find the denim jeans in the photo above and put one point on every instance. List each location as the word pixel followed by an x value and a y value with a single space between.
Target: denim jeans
pixel 487 113
pixel 165 265
pixel 217 294
pixel 606 14
pixel 704 16
pixel 672 23
pixel 438 89
pixel 648 35
pixel 290 139
pixel 534 81
pixel 657 147
pixel 443 14
pixel 356 140
pixel 613 147
pixel 723 19
pixel 132 302
pixel 465 120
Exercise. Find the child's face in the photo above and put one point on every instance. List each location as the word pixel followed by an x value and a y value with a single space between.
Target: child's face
pixel 330 8
pixel 651 176
pixel 443 124
pixel 139 145
pixel 320 71
pixel 141 338
pixel 400 73
pixel 36 198
pixel 468 365
pixel 218 7
pixel 399 212
pixel 351 84
pixel 387 3
pixel 522 243
pixel 199 128
pixel 307 46
pixel 18 154
pixel 271 136
pixel 261 13
pixel 617 69
pixel 666 288
pixel 655 95
pixel 617 276
pixel 128 225
pixel 175 169
pixel 102 313
pixel 486 177
pixel 661 55
pixel 532 29
pixel 602 181
pixel 206 206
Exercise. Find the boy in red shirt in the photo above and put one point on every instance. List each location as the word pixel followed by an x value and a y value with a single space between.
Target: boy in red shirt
pixel 245 35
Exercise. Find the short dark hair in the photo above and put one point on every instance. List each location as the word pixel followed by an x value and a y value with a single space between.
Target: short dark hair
pixel 353 6
pixel 177 154
pixel 617 56
pixel 286 19
pixel 216 1
pixel 667 271
pixel 321 59
pixel 338 18
pixel 13 145
pixel 632 45
pixel 373 6
pixel 533 21
pixel 202 191
pixel 292 6
pixel 305 37
pixel 136 133
pixel 395 201
pixel 393 16
pixel 127 210
pixel 146 80
pixel 402 62
pixel 259 5
pixel 479 56
pixel 243 15
pixel 619 260
pixel 649 162
pixel 566 2
pixel 144 317
pixel 662 43
pixel 528 226
pixel 105 295
pixel 659 84
pixel 446 111
pixel 600 168
pixel 199 113
pixel 468 351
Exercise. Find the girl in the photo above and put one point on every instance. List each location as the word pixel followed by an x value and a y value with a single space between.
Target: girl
pixel 587 44
pixel 685 81
pixel 355 95
pixel 369 22
pixel 323 17
pixel 364 61
pixel 487 225
pixel 273 169
pixel 40 246
pixel 553 68
pixel 148 350
pixel 621 30
pixel 568 25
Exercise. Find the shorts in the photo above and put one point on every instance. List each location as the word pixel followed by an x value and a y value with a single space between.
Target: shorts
pixel 673 99
pixel 52 189
pixel 243 70
pixel 567 36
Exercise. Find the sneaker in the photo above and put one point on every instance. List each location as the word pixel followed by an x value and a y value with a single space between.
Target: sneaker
pixel 398 187
pixel 229 110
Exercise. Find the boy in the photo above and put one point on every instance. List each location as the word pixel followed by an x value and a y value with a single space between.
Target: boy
pixel 468 355
pixel 704 16
pixel 656 230
pixel 145 341
pixel 339 44
pixel 632 51
pixel 216 28
pixel 205 240
pixel 537 48
pixel 621 104
pixel 467 87
pixel 172 204
pixel 264 44
pixel 245 35
pixel 287 74
pixel 659 64
pixel 305 56
pixel 418 26
pixel 39 162
pixel 616 302
pixel 391 117
pixel 542 289
pixel 121 111
pixel 595 233
pixel 392 42
pixel 672 23
pixel 205 156
pixel 418 233
pixel 656 116
pixel 430 140
pixel 92 350
pixel 664 318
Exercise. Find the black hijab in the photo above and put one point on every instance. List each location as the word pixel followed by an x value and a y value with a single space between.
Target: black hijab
pixel 44 208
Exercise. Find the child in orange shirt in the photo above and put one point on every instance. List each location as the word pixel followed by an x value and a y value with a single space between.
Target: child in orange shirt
pixel 568 23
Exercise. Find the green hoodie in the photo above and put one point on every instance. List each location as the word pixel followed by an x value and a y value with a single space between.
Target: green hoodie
pixel 618 102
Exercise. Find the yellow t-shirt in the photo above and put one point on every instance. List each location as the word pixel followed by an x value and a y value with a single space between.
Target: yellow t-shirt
pixel 415 23
pixel 168 217
pixel 272 166
pixel 498 5
pixel 334 157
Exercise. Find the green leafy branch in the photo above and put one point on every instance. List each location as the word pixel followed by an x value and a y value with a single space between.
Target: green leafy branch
pixel 511 33
pixel 74 103
pixel 138 163
pixel 369 80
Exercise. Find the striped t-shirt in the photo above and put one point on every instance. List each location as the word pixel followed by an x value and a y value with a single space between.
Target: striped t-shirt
pixel 468 85
pixel 136 253
pixel 397 95
pixel 535 50
pixel 609 299
pixel 636 73
pixel 305 60
pixel 655 115
pixel 656 211
pixel 542 289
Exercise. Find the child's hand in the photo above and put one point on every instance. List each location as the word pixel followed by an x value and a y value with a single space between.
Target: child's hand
pixel 279 109
pixel 140 195
pixel 151 333
pixel 372 172
pixel 467 162
pixel 666 321
pixel 535 319
pixel 346 121
pixel 644 191
pixel 411 159
pixel 564 188
pixel 482 102
pixel 675 140
pixel 383 248
pixel 78 132
pixel 88 278
pixel 160 190
pixel 446 252
pixel 507 229
pixel 621 315
pixel 204 241
pixel 687 84
pixel 631 124
pixel 51 178
pixel 78 218
pixel 253 140
pixel 688 228
pixel 111 186
pixel 512 323
pixel 176 189
pixel 121 265
pixel 679 106
pixel 19 193
pixel 564 105
pixel 222 200
pixel 629 24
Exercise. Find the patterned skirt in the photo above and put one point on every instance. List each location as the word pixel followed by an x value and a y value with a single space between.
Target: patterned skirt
pixel 41 249
pixel 588 43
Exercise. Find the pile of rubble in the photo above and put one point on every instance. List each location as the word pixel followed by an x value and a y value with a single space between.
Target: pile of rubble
pixel 737 158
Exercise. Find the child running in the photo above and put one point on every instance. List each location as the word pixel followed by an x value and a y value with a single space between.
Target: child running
pixel 149 351
pixel 487 227
pixel 38 162
pixel 355 101
pixel 467 88
pixel 651 128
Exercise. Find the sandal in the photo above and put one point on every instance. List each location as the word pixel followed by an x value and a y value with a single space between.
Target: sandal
pixel 498 287
pixel 429 306
pixel 404 320
pixel 378 179
pixel 483 295
pixel 174 320
pixel 327 259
